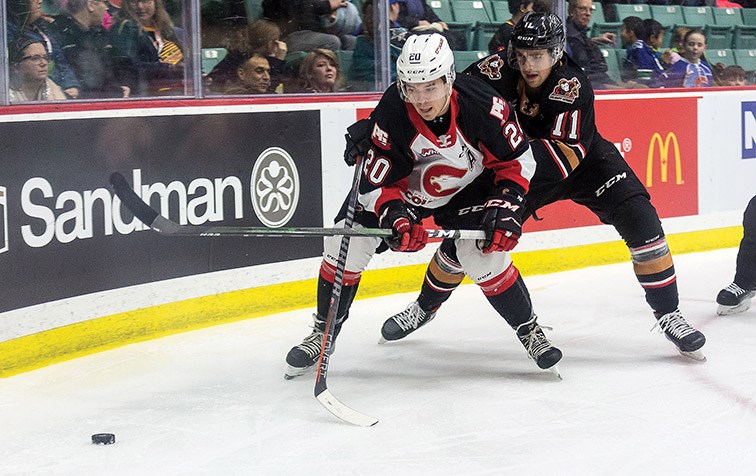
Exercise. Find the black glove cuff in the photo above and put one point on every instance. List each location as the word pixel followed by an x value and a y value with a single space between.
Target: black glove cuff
pixel 511 189
pixel 357 141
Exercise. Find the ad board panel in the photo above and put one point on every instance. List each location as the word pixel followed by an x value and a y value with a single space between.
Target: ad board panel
pixel 63 234
pixel 660 147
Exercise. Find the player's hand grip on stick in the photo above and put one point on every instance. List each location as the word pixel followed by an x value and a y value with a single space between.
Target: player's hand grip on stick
pixel 502 221
pixel 410 235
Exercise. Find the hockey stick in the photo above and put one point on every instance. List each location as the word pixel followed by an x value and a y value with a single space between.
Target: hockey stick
pixel 150 217
pixel 324 396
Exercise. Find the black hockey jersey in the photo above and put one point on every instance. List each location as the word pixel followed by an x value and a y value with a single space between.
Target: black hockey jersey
pixel 407 161
pixel 560 117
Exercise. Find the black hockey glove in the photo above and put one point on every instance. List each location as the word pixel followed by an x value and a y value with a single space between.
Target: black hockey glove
pixel 502 220
pixel 357 141
pixel 409 234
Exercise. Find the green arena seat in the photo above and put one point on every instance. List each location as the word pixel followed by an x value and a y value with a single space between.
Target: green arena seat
pixel 698 16
pixel 667 15
pixel 211 57
pixel 727 16
pixel 640 10
pixel 472 11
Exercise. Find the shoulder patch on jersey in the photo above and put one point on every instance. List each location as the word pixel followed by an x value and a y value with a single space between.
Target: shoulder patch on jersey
pixel 567 90
pixel 380 137
pixel 491 67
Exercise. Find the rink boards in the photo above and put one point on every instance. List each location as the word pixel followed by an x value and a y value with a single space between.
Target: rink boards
pixel 80 275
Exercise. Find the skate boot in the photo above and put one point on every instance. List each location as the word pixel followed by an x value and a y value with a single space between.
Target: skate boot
pixel 734 299
pixel 538 346
pixel 687 339
pixel 406 322
pixel 303 358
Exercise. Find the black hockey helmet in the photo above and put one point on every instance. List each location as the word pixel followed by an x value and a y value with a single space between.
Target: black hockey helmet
pixel 537 31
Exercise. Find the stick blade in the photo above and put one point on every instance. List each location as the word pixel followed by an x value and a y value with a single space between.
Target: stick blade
pixel 338 409
pixel 131 200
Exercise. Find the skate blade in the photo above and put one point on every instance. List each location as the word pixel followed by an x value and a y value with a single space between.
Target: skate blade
pixel 696 355
pixel 554 369
pixel 382 341
pixel 294 372
pixel 723 310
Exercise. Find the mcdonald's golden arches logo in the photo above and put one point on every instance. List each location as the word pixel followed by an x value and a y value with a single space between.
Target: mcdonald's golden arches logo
pixel 671 139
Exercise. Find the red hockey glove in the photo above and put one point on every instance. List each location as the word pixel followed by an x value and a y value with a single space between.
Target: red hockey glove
pixel 502 221
pixel 409 234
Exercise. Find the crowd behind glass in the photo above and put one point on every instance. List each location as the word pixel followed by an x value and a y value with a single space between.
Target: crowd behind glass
pixel 60 50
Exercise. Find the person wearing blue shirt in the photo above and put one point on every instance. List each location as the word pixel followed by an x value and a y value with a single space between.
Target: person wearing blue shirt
pixel 641 64
pixel 692 71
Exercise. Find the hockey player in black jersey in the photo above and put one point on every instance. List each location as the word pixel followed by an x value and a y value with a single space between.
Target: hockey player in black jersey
pixel 737 296
pixel 437 146
pixel 555 106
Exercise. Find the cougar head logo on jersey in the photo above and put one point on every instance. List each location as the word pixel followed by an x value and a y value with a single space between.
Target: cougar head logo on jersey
pixel 567 90
pixel 442 180
pixel 491 67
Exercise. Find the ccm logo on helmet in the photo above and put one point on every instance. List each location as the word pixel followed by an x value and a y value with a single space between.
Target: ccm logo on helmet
pixel 440 45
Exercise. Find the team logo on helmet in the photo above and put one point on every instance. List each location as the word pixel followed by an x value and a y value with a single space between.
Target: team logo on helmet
pixel 567 90
pixel 491 67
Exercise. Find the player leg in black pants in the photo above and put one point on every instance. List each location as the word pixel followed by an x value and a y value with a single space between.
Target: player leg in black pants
pixel 505 291
pixel 606 185
pixel 737 296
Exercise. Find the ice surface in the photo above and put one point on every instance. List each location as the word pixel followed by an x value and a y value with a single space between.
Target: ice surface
pixel 458 397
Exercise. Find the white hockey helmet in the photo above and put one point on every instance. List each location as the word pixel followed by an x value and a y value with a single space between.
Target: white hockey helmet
pixel 424 58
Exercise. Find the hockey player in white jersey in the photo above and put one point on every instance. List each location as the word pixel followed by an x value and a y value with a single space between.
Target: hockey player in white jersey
pixel 448 148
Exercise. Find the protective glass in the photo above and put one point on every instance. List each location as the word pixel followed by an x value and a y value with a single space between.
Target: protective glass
pixel 418 93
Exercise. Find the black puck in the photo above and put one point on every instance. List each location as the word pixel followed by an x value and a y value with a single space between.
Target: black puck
pixel 103 438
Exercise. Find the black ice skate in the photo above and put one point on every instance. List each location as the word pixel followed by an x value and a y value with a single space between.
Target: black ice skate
pixel 303 358
pixel 538 346
pixel 734 299
pixel 687 339
pixel 406 322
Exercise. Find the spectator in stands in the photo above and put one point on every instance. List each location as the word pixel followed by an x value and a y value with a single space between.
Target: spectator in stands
pixel 262 37
pixel 500 39
pixel 345 22
pixel 363 59
pixel 253 77
pixel 25 18
pixel 692 71
pixel 417 16
pixel 320 72
pixel 641 65
pixel 143 33
pixel 582 48
pixel 672 55
pixel 732 75
pixel 86 45
pixel 655 36
pixel 301 22
pixel 29 60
